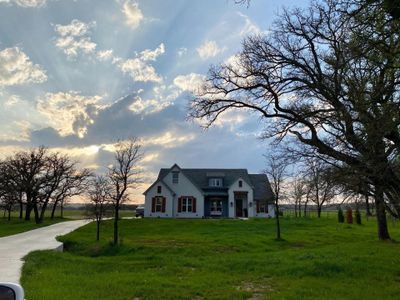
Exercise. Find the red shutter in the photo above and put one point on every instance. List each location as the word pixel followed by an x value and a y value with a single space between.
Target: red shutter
pixel 258 206
pixel 163 204
pixel 153 204
pixel 179 204
pixel 193 204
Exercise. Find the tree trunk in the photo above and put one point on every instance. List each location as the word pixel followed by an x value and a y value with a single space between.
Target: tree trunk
pixel 28 211
pixel 116 217
pixel 319 208
pixel 383 232
pixel 9 215
pixel 98 230
pixel 305 209
pixel 278 226
pixel 62 209
pixel 42 212
pixel 36 211
pixel 21 209
pixel 54 209
pixel 367 209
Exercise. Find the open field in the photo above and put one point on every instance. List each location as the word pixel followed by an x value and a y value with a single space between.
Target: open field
pixel 219 259
pixel 16 225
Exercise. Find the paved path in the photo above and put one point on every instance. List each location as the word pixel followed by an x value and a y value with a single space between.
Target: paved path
pixel 14 247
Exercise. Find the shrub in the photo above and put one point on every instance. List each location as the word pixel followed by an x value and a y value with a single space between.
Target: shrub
pixel 358 217
pixel 349 216
pixel 340 215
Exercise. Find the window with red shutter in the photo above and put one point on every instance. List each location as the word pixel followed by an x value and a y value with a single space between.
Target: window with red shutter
pixel 194 204
pixel 163 204
pixel 153 204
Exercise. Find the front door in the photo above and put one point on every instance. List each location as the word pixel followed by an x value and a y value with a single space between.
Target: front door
pixel 239 208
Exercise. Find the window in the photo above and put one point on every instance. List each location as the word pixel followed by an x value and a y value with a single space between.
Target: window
pixel 187 204
pixel 262 207
pixel 159 189
pixel 216 182
pixel 175 177
pixel 240 183
pixel 159 204
pixel 216 207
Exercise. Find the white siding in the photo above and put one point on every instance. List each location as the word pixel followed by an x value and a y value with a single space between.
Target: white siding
pixel 185 187
pixel 153 193
pixel 245 188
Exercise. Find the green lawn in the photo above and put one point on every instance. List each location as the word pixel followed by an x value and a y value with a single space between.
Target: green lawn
pixel 219 259
pixel 16 225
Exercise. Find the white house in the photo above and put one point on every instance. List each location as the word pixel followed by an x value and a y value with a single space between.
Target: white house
pixel 203 193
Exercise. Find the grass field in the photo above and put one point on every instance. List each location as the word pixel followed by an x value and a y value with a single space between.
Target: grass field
pixel 219 259
pixel 16 225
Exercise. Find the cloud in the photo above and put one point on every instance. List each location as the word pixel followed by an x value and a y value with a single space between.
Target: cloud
pixel 209 49
pixel 182 51
pixel 16 68
pixel 191 82
pixel 138 67
pixel 74 38
pixel 249 28
pixel 69 112
pixel 133 14
pixel 103 55
pixel 25 3
pixel 152 54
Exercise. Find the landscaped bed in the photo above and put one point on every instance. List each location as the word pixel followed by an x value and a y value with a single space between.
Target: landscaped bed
pixel 219 259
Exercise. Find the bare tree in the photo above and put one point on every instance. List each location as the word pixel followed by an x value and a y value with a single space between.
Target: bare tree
pixel 321 186
pixel 124 175
pixel 297 193
pixel 276 171
pixel 330 77
pixel 99 192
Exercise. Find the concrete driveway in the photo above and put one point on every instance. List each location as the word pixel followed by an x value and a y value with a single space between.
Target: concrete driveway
pixel 14 247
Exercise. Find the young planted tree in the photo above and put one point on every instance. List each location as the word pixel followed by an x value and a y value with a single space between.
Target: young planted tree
pixel 276 171
pixel 99 194
pixel 123 175
pixel 329 76
pixel 297 194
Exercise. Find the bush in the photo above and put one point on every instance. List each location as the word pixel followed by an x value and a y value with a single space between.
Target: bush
pixel 340 215
pixel 358 217
pixel 349 216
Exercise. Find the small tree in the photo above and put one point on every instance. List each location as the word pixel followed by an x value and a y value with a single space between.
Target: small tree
pixel 276 171
pixel 124 174
pixel 340 215
pixel 99 192
pixel 349 216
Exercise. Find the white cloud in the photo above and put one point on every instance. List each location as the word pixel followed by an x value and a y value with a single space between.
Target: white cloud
pixel 74 38
pixel 133 14
pixel 104 55
pixel 69 112
pixel 209 49
pixel 138 67
pixel 169 139
pixel 249 28
pixel 191 82
pixel 152 54
pixel 140 71
pixel 182 51
pixel 16 68
pixel 25 3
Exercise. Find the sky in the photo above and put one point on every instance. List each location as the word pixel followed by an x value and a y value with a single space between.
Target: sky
pixel 78 75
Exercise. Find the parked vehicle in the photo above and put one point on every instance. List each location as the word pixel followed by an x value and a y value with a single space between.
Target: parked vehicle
pixel 140 211
pixel 11 291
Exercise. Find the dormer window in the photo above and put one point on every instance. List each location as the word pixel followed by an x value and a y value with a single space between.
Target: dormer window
pixel 215 182
pixel 175 177
pixel 240 183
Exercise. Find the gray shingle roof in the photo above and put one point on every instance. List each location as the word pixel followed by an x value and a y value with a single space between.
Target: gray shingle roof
pixel 199 177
